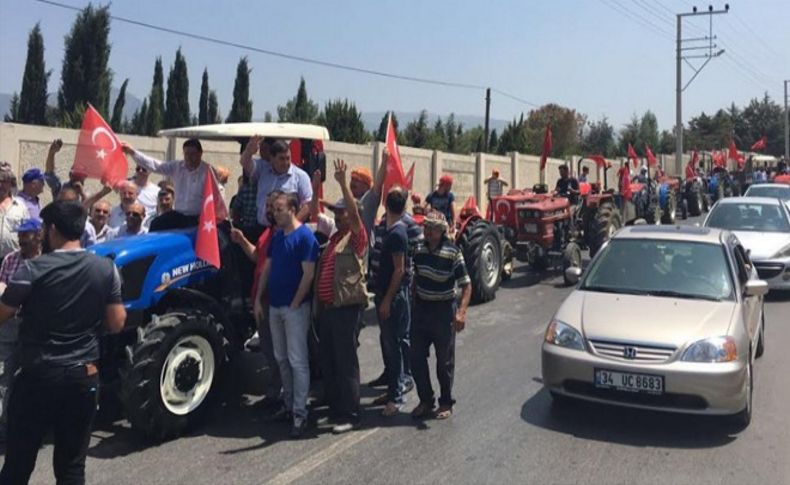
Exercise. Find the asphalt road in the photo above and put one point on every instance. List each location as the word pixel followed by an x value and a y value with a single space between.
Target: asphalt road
pixel 504 429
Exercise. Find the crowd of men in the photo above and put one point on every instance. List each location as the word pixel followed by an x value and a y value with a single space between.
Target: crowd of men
pixel 296 274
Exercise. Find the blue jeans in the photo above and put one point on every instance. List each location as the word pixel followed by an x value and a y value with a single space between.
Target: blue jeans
pixel 289 338
pixel 395 345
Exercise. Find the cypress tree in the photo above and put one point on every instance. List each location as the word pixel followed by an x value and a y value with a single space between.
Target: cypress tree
pixel 493 142
pixel 241 109
pixel 381 134
pixel 154 115
pixel 343 121
pixel 33 98
pixel 177 104
pixel 139 124
pixel 213 108
pixel 13 109
pixel 117 111
pixel 203 118
pixel 85 76
pixel 299 109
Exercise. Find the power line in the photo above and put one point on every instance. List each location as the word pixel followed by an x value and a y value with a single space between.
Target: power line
pixel 615 5
pixel 292 57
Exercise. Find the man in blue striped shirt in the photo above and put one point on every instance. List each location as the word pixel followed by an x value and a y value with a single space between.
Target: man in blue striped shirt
pixel 439 272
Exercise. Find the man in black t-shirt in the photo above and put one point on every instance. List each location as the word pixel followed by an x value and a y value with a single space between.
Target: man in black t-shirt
pixel 567 186
pixel 63 297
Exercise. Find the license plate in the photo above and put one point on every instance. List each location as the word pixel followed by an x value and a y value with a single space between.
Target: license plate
pixel 531 228
pixel 629 381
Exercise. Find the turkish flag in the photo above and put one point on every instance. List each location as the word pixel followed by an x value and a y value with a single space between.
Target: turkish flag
pixel 207 240
pixel 718 158
pixel 625 182
pixel 394 170
pixel 692 165
pixel 547 145
pixel 633 156
pixel 760 144
pixel 734 155
pixel 651 159
pixel 410 178
pixel 99 153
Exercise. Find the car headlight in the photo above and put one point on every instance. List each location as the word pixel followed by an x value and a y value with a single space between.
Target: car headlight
pixel 716 349
pixel 783 253
pixel 564 335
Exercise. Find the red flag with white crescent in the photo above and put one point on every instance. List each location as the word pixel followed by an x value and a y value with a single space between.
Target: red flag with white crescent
pixel 394 170
pixel 99 155
pixel 207 240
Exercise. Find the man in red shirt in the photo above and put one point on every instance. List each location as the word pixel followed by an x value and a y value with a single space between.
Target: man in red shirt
pixel 341 296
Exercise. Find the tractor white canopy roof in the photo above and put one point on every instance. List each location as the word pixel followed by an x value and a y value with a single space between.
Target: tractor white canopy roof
pixel 235 131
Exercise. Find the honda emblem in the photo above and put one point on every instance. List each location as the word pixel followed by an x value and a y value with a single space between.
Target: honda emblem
pixel 629 353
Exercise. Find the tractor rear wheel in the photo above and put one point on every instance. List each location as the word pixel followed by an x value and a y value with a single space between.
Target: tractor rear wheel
pixel 571 258
pixel 481 245
pixel 507 260
pixel 172 374
pixel 695 200
pixel 606 222
pixel 669 215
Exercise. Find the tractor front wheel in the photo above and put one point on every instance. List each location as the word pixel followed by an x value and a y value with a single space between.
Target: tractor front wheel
pixel 606 222
pixel 171 376
pixel 481 245
pixel 571 258
pixel 669 215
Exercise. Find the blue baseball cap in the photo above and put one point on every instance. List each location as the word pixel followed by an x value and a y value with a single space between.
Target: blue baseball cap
pixel 29 225
pixel 33 174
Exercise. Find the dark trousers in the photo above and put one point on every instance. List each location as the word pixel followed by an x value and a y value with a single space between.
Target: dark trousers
pixel 339 361
pixel 433 325
pixel 62 401
pixel 395 345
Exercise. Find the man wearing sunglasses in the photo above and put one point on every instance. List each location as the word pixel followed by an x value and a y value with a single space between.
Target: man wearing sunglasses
pixel 135 214
pixel 147 191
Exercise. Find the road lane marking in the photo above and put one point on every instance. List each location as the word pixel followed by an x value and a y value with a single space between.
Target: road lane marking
pixel 309 464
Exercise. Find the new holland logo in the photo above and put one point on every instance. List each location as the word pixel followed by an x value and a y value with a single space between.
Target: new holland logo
pixel 181 272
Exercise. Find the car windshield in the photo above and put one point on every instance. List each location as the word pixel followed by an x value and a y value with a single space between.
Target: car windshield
pixel 748 217
pixel 678 269
pixel 782 193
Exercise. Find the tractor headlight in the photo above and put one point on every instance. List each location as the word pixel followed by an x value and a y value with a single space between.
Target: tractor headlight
pixel 564 335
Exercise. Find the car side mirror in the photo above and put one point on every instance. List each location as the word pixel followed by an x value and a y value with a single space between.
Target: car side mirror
pixel 756 288
pixel 572 274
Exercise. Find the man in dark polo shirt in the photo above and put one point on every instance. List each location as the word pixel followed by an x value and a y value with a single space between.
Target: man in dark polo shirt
pixel 438 271
pixel 62 297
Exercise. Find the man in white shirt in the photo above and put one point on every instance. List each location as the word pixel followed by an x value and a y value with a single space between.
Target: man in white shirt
pixel 128 194
pixel 12 211
pixel 147 192
pixel 100 212
pixel 188 176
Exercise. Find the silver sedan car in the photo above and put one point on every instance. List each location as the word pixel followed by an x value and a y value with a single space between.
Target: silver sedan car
pixel 665 318
pixel 762 225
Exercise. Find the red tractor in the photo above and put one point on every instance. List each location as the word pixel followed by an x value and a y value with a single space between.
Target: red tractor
pixel 548 230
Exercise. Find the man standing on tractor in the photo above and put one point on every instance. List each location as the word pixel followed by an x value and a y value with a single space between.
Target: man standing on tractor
pixel 585 174
pixel 341 297
pixel 188 177
pixel 567 186
pixel 288 277
pixel 443 200
pixel 495 186
pixel 439 271
pixel 274 170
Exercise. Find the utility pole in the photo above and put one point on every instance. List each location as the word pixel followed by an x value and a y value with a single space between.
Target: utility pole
pixel 787 126
pixel 488 114
pixel 679 87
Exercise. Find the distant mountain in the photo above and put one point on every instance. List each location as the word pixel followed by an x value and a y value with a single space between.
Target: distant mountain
pixel 132 102
pixel 371 120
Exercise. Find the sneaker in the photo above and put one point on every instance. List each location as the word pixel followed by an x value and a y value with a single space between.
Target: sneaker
pixel 341 428
pixel 254 343
pixel 391 409
pixel 380 381
pixel 297 430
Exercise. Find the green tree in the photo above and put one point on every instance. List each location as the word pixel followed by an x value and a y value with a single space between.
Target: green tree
pixel 33 97
pixel 117 110
pixel 241 109
pixel 417 132
pixel 629 135
pixel 648 131
pixel 155 114
pixel 565 129
pixel 666 143
pixel 213 108
pixel 514 137
pixel 436 137
pixel 493 142
pixel 451 137
pixel 761 117
pixel 299 109
pixel 177 104
pixel 203 118
pixel 599 138
pixel 139 123
pixel 343 121
pixel 13 109
pixel 267 117
pixel 381 133
pixel 85 76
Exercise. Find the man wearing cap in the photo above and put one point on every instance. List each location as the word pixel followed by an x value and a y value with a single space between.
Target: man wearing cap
pixel 29 247
pixel 274 170
pixel 443 200
pixel 32 187
pixel 340 298
pixel 133 226
pixel 76 178
pixel 12 211
pixel 55 389
pixel 439 271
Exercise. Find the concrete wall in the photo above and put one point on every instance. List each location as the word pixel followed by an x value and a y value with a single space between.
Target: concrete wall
pixel 25 146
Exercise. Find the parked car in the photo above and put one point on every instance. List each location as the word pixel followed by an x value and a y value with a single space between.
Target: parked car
pixel 681 334
pixel 762 225
pixel 779 191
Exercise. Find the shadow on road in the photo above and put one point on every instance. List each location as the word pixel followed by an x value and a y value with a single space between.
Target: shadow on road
pixel 625 426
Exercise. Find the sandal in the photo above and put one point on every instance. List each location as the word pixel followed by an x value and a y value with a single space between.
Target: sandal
pixel 444 412
pixel 391 409
pixel 422 411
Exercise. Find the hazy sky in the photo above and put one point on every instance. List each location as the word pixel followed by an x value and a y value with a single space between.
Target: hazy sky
pixel 602 57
